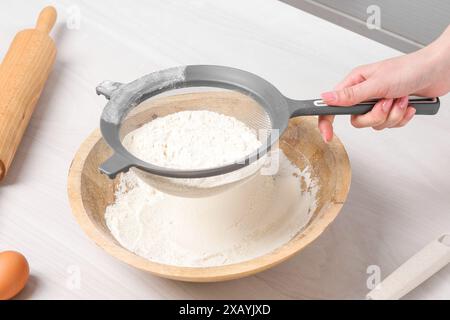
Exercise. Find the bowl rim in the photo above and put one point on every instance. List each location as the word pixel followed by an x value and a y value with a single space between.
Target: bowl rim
pixel 216 273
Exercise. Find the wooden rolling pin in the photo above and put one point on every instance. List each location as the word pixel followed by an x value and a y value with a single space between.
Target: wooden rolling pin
pixel 23 73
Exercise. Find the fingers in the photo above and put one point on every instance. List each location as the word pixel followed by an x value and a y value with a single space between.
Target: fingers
pixel 409 114
pixel 360 85
pixel 357 75
pixel 376 117
pixel 387 113
pixel 396 115
pixel 350 80
pixel 354 94
pixel 326 127
pixel 354 88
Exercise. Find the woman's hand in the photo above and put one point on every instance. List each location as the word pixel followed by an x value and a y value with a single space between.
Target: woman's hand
pixel 424 73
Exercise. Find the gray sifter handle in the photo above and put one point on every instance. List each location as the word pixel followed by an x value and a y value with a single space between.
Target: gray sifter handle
pixel 427 106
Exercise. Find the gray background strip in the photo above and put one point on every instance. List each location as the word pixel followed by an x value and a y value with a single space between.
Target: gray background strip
pixel 406 25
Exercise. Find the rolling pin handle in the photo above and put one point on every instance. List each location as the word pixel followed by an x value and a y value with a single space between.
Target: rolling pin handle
pixel 413 272
pixel 107 88
pixel 46 19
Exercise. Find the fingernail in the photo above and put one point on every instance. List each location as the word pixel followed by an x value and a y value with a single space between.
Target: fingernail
pixel 329 96
pixel 386 105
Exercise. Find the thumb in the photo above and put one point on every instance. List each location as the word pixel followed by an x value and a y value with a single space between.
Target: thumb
pixel 351 95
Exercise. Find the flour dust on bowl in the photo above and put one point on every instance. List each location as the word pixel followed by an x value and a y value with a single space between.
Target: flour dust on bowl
pixel 237 225
pixel 211 238
pixel 267 116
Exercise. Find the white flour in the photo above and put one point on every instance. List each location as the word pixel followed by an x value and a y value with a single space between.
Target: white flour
pixel 192 140
pixel 239 224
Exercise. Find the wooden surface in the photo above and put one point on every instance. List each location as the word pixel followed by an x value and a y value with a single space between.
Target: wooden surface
pixel 90 192
pixel 398 201
pixel 23 73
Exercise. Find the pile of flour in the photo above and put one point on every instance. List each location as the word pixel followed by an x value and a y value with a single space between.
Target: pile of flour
pixel 242 223
pixel 192 140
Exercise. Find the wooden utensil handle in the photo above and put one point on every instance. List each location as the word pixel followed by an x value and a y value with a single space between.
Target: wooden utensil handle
pixel 46 19
pixel 23 73
pixel 413 272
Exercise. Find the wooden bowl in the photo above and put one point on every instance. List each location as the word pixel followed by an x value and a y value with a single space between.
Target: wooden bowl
pixel 90 192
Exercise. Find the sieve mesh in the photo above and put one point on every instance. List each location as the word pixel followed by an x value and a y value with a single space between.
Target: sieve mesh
pixel 227 102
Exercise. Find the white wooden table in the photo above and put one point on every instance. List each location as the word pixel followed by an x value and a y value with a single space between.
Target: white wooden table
pixel 400 194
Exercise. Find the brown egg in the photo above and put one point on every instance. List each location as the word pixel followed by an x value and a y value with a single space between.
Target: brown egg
pixel 14 271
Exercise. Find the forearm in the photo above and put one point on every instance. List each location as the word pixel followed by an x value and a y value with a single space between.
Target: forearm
pixel 441 49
